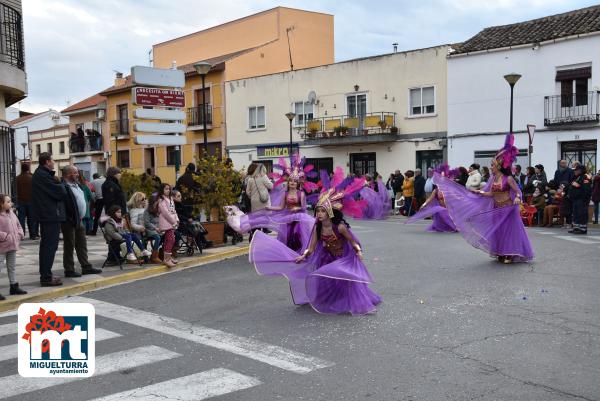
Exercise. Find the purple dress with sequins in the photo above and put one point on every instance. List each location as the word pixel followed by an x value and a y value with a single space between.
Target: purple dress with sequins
pixel 332 279
pixel 436 209
pixel 494 227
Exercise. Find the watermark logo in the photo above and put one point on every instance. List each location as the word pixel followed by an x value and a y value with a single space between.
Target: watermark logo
pixel 57 340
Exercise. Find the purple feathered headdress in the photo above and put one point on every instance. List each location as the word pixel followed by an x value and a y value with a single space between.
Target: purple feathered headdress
pixel 508 154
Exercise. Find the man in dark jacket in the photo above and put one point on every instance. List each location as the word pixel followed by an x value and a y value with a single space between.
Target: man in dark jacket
pixel 397 183
pixel 48 206
pixel 579 193
pixel 564 174
pixel 187 185
pixel 73 229
pixel 419 188
pixel 112 193
pixel 519 176
pixel 24 201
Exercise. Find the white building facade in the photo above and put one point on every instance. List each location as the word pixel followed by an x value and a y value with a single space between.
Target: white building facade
pixel 346 114
pixel 558 92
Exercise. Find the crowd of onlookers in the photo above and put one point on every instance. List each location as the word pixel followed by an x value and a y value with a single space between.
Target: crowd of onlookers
pixel 562 200
pixel 48 206
pixel 153 228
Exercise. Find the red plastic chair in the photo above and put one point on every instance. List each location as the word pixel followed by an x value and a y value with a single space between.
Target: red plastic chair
pixel 527 214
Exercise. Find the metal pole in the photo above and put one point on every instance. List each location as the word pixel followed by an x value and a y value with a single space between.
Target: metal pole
pixel 290 142
pixel 511 107
pixel 204 117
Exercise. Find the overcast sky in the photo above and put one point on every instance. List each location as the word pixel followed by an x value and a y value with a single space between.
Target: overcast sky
pixel 73 46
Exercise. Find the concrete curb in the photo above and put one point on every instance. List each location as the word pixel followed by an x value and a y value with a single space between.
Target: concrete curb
pixel 79 288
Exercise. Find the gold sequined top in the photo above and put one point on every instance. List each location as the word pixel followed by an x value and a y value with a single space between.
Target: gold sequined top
pixel 501 194
pixel 333 244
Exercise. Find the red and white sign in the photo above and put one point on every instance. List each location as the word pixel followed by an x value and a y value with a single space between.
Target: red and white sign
pixel 531 132
pixel 158 97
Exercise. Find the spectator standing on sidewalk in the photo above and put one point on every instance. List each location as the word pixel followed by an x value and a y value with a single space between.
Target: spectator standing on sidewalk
pixel 596 196
pixel 48 205
pixel 98 200
pixel 580 195
pixel 87 187
pixel 564 174
pixel 11 234
pixel 408 191
pixel 168 222
pixel 519 176
pixel 73 229
pixel 419 188
pixel 397 187
pixel 474 181
pixel 540 175
pixel 112 193
pixel 24 181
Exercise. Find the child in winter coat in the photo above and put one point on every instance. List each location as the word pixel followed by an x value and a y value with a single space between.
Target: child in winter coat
pixel 167 222
pixel 11 234
pixel 115 233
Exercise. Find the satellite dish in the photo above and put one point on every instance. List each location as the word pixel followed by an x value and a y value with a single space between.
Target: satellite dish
pixel 312 97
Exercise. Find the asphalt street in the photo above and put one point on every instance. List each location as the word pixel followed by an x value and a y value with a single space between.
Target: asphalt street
pixel 454 325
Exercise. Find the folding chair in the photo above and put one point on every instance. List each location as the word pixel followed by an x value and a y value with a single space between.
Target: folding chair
pixel 111 252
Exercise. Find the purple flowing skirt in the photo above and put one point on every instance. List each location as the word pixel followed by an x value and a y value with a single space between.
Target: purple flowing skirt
pixel 442 223
pixel 379 204
pixel 499 231
pixel 329 284
pixel 293 228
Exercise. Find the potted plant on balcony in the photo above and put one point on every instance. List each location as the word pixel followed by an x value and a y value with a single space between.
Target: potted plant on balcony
pixel 337 130
pixel 219 185
pixel 393 129
pixel 382 124
pixel 312 132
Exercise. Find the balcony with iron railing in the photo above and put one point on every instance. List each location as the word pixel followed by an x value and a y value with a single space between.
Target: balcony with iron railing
pixel 370 127
pixel 11 37
pixel 578 108
pixel 86 145
pixel 120 128
pixel 198 116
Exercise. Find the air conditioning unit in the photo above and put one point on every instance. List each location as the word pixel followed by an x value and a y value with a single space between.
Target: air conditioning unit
pixel 100 114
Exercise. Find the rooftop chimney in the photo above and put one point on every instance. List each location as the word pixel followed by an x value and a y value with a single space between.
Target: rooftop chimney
pixel 119 80
pixel 395 47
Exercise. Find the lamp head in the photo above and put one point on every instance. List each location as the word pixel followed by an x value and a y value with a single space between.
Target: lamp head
pixel 512 78
pixel 202 67
pixel 290 115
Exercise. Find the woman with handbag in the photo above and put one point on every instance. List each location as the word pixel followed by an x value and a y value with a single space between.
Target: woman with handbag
pixel 258 187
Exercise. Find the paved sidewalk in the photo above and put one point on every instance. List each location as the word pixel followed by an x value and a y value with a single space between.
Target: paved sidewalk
pixel 29 278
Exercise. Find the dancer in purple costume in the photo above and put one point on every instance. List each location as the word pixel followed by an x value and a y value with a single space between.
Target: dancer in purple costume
pixel 489 219
pixel 330 274
pixel 285 218
pixel 435 207
pixel 378 201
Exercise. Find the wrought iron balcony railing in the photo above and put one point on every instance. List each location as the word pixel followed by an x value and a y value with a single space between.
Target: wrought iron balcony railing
pixel 119 127
pixel 11 37
pixel 198 116
pixel 572 109
pixel 343 126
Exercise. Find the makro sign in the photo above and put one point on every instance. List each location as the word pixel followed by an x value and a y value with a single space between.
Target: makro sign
pixel 275 151
pixel 56 340
pixel 158 97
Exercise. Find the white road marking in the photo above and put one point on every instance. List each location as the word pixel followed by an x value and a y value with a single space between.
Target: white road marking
pixel 595 237
pixel 8 328
pixel 196 387
pixel 9 313
pixel 545 232
pixel 10 351
pixel 105 364
pixel 270 354
pixel 576 239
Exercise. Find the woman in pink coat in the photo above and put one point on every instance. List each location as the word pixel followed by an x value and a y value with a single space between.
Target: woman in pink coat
pixel 11 234
pixel 167 222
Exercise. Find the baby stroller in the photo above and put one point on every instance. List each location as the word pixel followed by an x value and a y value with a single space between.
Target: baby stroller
pixel 186 238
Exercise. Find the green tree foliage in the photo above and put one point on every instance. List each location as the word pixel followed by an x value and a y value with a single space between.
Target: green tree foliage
pixel 219 184
pixel 133 183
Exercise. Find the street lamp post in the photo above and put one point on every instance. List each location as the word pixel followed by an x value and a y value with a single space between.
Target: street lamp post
pixel 290 117
pixel 512 80
pixel 202 68
pixel 24 145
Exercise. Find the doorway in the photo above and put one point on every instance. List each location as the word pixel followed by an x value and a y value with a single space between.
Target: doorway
pixel 429 158
pixel 149 161
pixel 581 151
pixel 363 163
